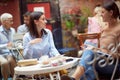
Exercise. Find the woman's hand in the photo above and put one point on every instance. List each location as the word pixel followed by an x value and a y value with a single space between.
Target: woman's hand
pixel 34 41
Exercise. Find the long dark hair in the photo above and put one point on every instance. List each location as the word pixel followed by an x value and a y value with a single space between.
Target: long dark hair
pixel 32 27
pixel 111 5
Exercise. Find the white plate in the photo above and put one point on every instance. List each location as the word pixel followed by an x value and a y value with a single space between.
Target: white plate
pixel 45 65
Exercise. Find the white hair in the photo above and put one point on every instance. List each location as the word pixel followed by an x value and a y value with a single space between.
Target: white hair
pixel 97 9
pixel 5 16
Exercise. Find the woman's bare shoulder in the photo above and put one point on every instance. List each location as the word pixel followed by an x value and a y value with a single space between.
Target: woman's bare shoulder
pixel 118 27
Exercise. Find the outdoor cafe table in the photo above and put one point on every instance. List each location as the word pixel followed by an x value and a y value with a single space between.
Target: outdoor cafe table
pixel 38 69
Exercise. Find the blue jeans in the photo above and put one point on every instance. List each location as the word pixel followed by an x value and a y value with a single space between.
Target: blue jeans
pixel 90 43
pixel 88 56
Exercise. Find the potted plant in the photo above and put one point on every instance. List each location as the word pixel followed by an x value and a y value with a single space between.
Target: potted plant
pixel 84 19
pixel 76 18
pixel 68 19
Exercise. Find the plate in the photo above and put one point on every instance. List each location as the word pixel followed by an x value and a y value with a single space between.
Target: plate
pixel 45 65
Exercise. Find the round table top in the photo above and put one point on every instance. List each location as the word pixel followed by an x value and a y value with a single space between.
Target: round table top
pixel 40 69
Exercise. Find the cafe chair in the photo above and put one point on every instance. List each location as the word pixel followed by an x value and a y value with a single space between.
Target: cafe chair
pixel 83 36
pixel 57 35
pixel 17 48
pixel 106 60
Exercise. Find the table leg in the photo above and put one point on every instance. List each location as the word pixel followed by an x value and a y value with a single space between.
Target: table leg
pixel 14 77
pixel 57 76
pixel 32 77
pixel 51 76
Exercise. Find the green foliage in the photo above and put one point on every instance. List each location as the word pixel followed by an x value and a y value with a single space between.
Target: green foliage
pixel 78 17
pixel 68 21
pixel 69 24
pixel 85 14
pixel 83 20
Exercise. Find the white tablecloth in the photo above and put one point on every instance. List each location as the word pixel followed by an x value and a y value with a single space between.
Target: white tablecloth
pixel 39 69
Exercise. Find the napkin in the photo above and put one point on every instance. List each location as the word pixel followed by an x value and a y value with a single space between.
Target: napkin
pixel 27 62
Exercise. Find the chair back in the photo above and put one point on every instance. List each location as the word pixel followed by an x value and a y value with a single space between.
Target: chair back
pixel 83 36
